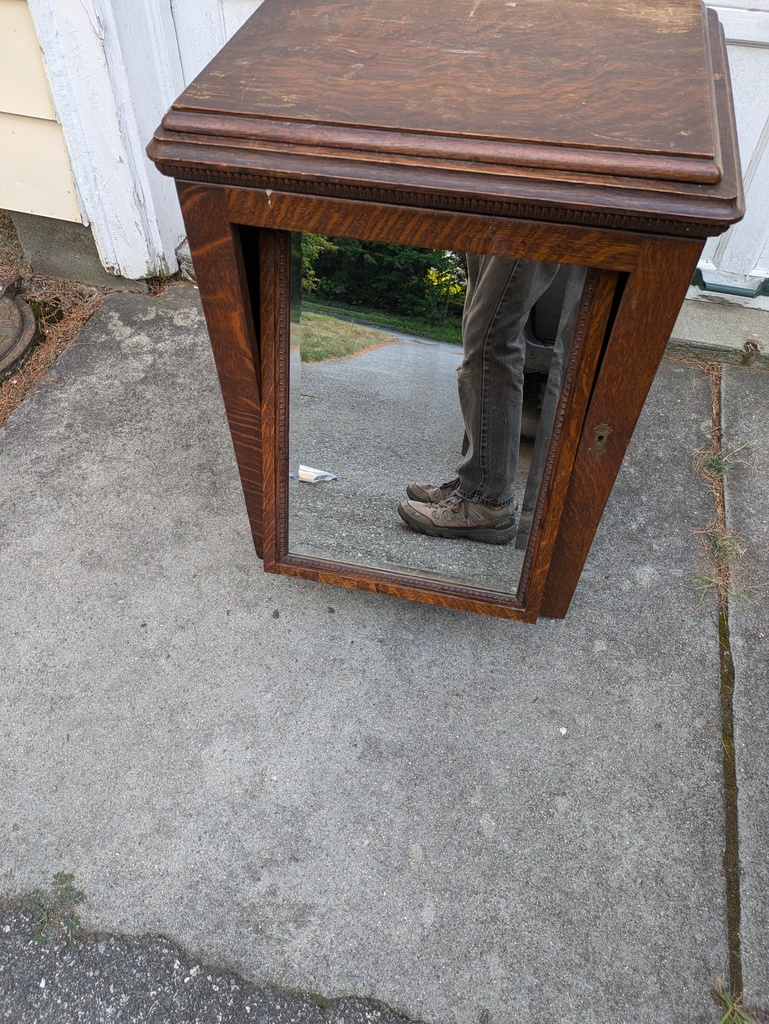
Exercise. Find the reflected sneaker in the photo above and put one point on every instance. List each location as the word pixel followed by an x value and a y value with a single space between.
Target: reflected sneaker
pixel 455 516
pixel 429 493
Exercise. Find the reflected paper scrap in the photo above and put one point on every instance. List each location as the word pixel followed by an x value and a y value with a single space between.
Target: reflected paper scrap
pixel 309 475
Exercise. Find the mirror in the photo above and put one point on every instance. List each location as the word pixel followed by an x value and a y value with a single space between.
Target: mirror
pixel 374 406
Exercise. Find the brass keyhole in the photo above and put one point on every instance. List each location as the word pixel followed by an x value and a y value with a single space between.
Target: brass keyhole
pixel 600 437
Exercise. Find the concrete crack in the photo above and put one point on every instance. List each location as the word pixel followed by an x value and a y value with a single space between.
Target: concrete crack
pixel 721 553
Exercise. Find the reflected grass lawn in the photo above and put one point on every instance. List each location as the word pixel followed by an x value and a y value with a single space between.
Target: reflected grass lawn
pixel 327 337
pixel 448 329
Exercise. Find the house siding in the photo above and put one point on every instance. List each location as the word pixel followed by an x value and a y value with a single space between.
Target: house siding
pixel 35 173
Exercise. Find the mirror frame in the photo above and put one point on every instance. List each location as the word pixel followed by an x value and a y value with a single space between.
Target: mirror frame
pixel 592 321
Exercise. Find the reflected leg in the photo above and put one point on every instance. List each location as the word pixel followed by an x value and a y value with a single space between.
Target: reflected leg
pixel 500 295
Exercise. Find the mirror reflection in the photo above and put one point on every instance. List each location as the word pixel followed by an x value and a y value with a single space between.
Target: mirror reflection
pixel 424 387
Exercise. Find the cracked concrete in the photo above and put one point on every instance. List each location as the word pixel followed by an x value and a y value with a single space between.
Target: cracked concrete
pixel 746 400
pixel 468 820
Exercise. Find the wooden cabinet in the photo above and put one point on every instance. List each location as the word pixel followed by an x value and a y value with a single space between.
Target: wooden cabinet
pixel 594 135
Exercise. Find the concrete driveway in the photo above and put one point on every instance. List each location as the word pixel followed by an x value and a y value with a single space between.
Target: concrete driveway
pixel 446 816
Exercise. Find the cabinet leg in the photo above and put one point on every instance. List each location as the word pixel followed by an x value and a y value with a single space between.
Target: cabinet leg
pixel 217 248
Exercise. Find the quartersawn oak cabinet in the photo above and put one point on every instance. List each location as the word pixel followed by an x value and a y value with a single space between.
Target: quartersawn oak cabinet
pixel 597 135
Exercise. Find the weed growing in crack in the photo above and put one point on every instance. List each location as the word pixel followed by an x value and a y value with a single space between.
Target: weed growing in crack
pixel 727 567
pixel 727 570
pixel 720 462
pixel 735 1010
pixel 54 910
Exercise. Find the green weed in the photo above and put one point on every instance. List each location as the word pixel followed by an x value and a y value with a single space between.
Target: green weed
pixel 722 461
pixel 735 1011
pixel 726 570
pixel 55 909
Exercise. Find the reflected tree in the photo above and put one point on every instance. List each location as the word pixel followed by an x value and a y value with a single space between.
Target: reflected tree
pixel 395 278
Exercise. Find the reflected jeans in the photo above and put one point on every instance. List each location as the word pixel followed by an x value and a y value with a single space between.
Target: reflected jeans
pixel 500 295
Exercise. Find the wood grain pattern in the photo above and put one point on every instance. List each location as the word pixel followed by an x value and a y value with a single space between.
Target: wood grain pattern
pixel 639 134
pixel 590 331
pixel 217 253
pixel 646 315
pixel 435 229
pixel 442 594
pixel 599 134
pixel 274 249
pixel 567 76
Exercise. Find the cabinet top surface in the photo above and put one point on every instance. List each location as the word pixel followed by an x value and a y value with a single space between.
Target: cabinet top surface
pixel 615 113
pixel 621 76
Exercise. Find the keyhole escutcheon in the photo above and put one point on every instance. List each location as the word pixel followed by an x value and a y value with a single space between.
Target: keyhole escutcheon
pixel 600 437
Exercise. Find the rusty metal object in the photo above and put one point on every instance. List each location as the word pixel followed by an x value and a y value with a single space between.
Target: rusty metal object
pixel 17 326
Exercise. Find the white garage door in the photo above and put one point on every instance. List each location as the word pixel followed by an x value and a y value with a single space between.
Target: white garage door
pixel 738 262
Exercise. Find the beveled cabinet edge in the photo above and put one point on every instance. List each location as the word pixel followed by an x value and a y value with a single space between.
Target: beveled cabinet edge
pixel 380 144
pixel 611 203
